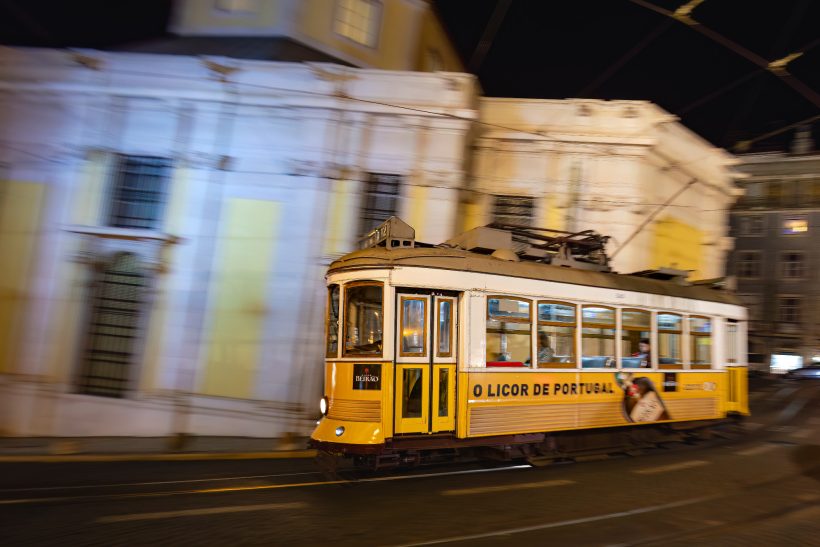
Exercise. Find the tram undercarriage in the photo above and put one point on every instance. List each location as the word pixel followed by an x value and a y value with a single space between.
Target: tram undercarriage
pixel 534 448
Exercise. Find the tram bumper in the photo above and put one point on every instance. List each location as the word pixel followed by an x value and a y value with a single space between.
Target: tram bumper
pixel 347 437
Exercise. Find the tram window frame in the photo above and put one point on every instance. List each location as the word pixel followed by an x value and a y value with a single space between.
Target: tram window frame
pixel 732 334
pixel 680 344
pixel 424 334
pixel 330 288
pixel 609 360
pixel 345 352
pixel 573 326
pixel 694 336
pixel 452 302
pixel 527 363
pixel 643 331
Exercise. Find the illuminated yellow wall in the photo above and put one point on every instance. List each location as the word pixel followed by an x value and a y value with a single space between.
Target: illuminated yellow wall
pixel 238 312
pixel 20 209
pixel 473 215
pixel 199 13
pixel 392 48
pixel 157 324
pixel 434 38
pixel 342 219
pixel 678 245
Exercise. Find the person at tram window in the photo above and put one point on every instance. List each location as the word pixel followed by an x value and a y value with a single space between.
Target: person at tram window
pixel 545 351
pixel 644 352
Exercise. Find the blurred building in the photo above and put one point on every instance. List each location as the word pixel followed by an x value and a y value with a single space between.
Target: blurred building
pixel 776 259
pixel 165 222
pixel 605 165
pixel 167 212
pixel 385 34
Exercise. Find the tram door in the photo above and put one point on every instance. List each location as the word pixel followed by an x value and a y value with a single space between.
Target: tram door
pixel 425 362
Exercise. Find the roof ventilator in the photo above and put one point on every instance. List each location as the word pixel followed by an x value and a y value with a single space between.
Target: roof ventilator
pixel 393 233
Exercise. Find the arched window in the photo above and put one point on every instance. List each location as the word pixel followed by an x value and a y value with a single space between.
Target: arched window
pixel 116 311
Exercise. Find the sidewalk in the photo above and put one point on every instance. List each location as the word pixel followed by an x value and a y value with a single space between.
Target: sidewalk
pixel 102 449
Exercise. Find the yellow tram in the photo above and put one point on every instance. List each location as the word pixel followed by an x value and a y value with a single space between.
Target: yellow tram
pixel 511 340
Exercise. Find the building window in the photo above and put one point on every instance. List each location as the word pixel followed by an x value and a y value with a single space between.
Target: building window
pixel 793 265
pixel 140 192
pixel 748 264
pixel 514 210
pixel 236 6
pixel 751 226
pixel 789 309
pixel 795 225
pixel 113 332
pixel 359 20
pixel 381 194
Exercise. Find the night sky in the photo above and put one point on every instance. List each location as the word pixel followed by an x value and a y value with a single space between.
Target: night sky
pixel 603 49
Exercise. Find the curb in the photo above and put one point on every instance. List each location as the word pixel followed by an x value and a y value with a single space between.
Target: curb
pixel 191 456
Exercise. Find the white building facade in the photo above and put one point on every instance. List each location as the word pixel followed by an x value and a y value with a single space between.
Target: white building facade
pixel 169 219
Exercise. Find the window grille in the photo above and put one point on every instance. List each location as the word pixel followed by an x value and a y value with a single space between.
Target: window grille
pixel 113 330
pixel 359 20
pixel 748 264
pixel 514 210
pixel 789 310
pixel 139 192
pixel 793 265
pixel 381 195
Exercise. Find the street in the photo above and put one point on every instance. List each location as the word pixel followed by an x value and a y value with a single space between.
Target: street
pixel 759 489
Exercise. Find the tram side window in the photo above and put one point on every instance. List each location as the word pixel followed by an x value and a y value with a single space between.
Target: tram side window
pixel 700 338
pixel 597 337
pixel 635 340
pixel 556 335
pixel 669 341
pixel 731 341
pixel 332 327
pixel 363 319
pixel 509 342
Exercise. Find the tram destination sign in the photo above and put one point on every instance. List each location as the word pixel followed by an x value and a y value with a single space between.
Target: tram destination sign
pixel 367 376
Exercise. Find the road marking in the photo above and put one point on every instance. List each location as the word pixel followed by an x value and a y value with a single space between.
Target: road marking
pixel 521 486
pixel 794 407
pixel 259 487
pixel 671 467
pixel 510 531
pixel 152 483
pixel 193 456
pixel 753 426
pixel 198 512
pixel 759 449
pixel 784 392
pixel 804 433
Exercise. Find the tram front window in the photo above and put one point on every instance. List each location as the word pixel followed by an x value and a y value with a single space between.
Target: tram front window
pixel 363 319
pixel 332 326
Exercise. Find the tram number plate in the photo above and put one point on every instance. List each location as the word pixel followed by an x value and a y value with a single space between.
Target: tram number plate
pixel 367 376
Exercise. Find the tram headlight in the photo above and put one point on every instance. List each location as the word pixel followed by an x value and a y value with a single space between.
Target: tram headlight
pixel 340 430
pixel 323 406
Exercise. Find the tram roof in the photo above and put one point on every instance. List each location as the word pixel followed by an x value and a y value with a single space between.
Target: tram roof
pixel 466 261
